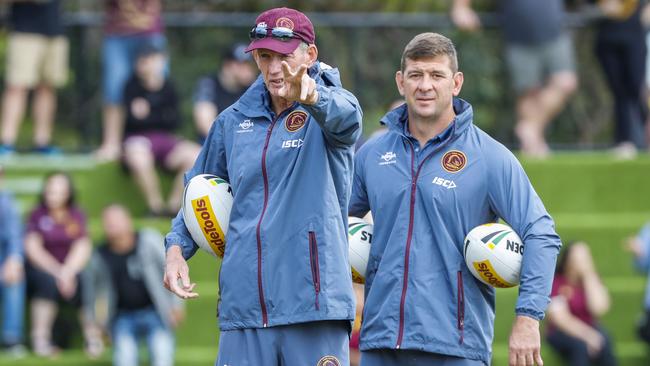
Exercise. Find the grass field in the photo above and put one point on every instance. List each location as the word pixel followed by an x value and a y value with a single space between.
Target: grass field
pixel 591 197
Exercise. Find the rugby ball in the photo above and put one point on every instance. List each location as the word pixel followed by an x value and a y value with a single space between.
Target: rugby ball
pixel 359 239
pixel 207 201
pixel 493 253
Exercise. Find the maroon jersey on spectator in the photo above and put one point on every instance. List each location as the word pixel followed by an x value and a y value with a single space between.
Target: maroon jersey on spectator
pixel 129 17
pixel 57 236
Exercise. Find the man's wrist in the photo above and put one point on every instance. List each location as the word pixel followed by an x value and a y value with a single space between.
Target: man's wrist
pixel 174 249
pixel 313 98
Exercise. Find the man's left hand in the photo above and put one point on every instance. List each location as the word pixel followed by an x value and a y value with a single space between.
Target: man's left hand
pixel 298 86
pixel 524 345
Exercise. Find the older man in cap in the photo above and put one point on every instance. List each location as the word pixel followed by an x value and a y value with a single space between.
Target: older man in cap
pixel 286 148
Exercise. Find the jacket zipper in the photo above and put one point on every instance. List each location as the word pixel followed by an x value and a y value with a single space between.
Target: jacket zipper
pixel 414 179
pixel 315 269
pixel 461 306
pixel 260 289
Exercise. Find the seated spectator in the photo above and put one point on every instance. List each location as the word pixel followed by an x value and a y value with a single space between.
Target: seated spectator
pixel 37 58
pixel 12 284
pixel 152 117
pixel 127 271
pixel 57 248
pixel 640 247
pixel 578 299
pixel 215 93
pixel 128 26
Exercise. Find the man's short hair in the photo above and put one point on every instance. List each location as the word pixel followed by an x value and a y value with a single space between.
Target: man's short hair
pixel 426 45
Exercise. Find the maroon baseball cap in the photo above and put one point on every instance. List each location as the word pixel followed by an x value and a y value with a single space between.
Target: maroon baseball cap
pixel 303 30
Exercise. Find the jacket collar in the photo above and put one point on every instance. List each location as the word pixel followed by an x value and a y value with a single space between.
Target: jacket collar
pixel 396 119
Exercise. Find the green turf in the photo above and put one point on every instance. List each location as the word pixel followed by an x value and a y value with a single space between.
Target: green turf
pixel 592 197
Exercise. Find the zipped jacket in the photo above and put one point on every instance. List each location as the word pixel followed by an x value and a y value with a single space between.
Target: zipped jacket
pixel 286 257
pixel 419 293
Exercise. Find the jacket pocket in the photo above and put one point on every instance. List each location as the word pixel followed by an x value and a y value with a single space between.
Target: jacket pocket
pixel 460 303
pixel 315 269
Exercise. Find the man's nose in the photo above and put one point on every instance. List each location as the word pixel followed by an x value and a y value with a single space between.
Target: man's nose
pixel 426 83
pixel 275 66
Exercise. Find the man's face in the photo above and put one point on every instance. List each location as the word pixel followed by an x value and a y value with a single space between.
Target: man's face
pixel 117 223
pixel 428 86
pixel 270 65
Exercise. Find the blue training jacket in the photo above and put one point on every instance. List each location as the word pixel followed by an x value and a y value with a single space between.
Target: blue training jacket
pixel 420 295
pixel 286 257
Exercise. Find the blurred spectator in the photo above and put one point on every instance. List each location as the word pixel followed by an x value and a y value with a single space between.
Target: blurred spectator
pixel 57 249
pixel 539 54
pixel 126 270
pixel 129 26
pixel 355 354
pixel 640 247
pixel 621 50
pixel 215 93
pixel 37 58
pixel 152 117
pixel 12 284
pixel 578 299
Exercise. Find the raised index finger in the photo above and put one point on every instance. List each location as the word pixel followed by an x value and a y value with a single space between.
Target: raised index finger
pixel 286 69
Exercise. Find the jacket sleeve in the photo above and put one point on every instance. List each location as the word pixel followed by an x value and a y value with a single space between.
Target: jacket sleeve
pixel 513 198
pixel 339 115
pixel 95 286
pixel 14 229
pixel 211 160
pixel 359 205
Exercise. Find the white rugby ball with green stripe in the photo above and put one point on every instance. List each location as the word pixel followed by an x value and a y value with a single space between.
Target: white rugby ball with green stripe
pixel 207 202
pixel 493 252
pixel 359 238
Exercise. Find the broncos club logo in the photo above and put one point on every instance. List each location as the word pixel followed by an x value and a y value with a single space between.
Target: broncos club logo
pixel 295 121
pixel 453 161
pixel 328 361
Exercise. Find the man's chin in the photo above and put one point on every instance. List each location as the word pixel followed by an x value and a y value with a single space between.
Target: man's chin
pixel 274 91
pixel 425 112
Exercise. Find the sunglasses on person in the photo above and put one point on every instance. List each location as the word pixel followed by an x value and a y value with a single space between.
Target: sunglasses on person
pixel 282 34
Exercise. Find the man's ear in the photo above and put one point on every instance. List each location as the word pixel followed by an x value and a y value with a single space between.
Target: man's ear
pixel 312 52
pixel 458 82
pixel 399 80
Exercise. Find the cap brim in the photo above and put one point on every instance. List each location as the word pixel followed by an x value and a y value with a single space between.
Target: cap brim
pixel 275 45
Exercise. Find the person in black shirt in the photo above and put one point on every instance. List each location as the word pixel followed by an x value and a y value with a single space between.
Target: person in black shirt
pixel 214 94
pixel 126 272
pixel 621 50
pixel 37 58
pixel 152 117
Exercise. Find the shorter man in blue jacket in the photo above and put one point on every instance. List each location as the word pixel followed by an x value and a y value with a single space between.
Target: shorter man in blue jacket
pixel 286 148
pixel 428 181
